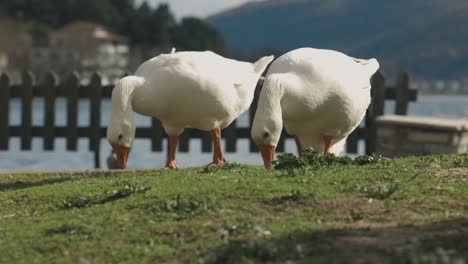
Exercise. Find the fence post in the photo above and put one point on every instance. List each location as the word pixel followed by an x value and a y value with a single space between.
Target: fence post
pixel 26 110
pixel 49 87
pixel 402 94
pixel 375 109
pixel 95 118
pixel 72 86
pixel 4 111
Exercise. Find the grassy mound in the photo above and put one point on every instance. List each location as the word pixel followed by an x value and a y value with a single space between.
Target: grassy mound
pixel 411 210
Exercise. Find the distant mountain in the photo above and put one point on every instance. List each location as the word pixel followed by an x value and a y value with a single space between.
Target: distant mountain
pixel 429 38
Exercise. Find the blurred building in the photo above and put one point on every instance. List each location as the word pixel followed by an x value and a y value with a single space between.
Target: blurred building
pixel 15 44
pixel 84 46
pixel 81 46
pixel 3 61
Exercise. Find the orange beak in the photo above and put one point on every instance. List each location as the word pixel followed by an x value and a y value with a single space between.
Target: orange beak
pixel 122 155
pixel 268 153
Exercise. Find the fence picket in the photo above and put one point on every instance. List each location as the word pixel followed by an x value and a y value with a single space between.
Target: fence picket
pixel 253 109
pixel 156 135
pixel 281 142
pixel 72 85
pixel 230 136
pixel 184 140
pixel 352 141
pixel 402 94
pixel 49 87
pixel 26 110
pixel 207 145
pixel 378 81
pixel 4 111
pixel 95 89
pixel 376 108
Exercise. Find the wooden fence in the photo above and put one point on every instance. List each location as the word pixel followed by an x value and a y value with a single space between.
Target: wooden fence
pixel 50 89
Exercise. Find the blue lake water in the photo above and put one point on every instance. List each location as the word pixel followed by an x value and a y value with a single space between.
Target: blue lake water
pixel 141 155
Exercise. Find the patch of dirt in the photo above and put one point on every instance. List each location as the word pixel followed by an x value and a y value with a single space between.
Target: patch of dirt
pixel 373 245
pixel 452 175
pixel 389 243
pixel 362 231
pixel 447 175
pixel 345 206
pixel 364 212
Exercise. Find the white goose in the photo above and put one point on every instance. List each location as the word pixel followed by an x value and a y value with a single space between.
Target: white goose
pixel 319 95
pixel 198 89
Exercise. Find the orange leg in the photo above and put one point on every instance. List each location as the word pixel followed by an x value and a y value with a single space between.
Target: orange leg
pixel 171 163
pixel 218 156
pixel 328 143
pixel 299 146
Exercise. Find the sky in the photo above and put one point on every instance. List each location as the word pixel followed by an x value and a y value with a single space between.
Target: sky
pixel 198 8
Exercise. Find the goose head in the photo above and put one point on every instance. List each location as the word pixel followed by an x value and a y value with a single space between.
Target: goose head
pixel 120 134
pixel 121 128
pixel 268 121
pixel 266 132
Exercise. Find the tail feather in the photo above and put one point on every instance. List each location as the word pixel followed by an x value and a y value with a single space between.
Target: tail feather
pixel 262 63
pixel 371 65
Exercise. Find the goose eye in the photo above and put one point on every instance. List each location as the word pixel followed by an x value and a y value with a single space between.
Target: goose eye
pixel 265 135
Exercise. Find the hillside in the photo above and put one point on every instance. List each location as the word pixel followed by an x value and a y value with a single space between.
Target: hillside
pixel 426 37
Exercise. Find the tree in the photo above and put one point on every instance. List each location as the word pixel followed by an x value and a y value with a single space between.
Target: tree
pixel 150 27
pixel 164 22
pixel 137 23
pixel 144 25
pixel 195 34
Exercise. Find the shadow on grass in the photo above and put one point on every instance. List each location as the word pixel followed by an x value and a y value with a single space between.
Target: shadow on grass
pixel 122 193
pixel 18 185
pixel 68 229
pixel 80 201
pixel 429 243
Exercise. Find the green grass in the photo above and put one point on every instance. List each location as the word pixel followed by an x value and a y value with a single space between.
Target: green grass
pixel 412 210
